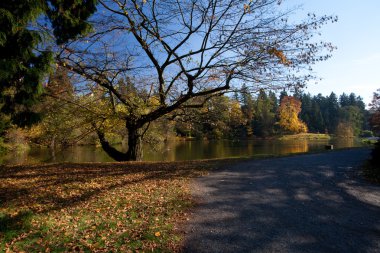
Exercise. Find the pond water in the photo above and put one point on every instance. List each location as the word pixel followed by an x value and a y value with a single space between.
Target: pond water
pixel 182 150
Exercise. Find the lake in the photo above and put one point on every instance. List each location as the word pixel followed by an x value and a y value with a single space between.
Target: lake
pixel 182 150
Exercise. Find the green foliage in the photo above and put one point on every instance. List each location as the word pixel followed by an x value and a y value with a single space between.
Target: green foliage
pixel 305 136
pixel 326 114
pixel 58 127
pixel 265 114
pixel 25 54
pixel 221 117
pixel 353 117
pixel 68 18
pixel 247 107
pixel 366 133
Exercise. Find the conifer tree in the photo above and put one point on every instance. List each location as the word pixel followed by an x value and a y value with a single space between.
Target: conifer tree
pixel 25 50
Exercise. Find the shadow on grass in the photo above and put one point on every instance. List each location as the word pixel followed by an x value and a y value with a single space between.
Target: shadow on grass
pixel 38 189
pixel 11 226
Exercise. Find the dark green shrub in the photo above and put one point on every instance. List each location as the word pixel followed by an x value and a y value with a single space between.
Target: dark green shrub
pixel 372 170
pixel 366 133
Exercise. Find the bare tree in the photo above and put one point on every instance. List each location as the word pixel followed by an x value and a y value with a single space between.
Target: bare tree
pixel 178 54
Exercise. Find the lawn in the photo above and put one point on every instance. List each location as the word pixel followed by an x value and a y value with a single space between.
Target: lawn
pixel 95 207
pixel 306 136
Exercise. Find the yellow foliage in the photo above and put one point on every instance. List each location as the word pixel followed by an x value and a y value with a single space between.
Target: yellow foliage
pixel 288 113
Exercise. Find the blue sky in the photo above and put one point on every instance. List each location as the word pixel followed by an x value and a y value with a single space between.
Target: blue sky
pixel 355 65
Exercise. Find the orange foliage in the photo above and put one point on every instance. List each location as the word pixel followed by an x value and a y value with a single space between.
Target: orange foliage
pixel 280 55
pixel 289 109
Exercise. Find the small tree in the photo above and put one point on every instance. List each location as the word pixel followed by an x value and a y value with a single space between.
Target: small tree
pixel 344 130
pixel 181 53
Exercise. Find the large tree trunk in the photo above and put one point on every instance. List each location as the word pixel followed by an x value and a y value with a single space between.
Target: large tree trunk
pixel 134 152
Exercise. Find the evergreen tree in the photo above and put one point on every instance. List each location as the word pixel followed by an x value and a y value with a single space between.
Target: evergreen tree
pixel 264 119
pixel 333 112
pixel 25 54
pixel 247 109
pixel 344 100
pixel 306 111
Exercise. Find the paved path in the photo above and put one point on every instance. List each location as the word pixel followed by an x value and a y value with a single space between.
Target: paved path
pixel 307 203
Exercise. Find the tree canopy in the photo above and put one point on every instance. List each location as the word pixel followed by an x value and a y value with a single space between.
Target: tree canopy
pixel 26 48
pixel 289 109
pixel 180 54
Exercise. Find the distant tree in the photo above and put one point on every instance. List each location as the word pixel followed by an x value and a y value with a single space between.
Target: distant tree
pixel 332 112
pixel 289 109
pixel 265 116
pixel 344 100
pixel 375 112
pixel 236 120
pixel 344 130
pixel 352 111
pixel 247 107
pixel 220 117
pixel 56 125
pixel 306 110
pixel 311 112
pixel 317 120
pixel 352 116
pixel 283 94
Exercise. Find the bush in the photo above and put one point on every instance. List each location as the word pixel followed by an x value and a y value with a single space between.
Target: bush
pixel 366 133
pixel 3 148
pixel 372 170
pixel 375 160
pixel 344 130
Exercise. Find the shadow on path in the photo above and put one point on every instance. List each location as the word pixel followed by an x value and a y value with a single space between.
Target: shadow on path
pixel 308 203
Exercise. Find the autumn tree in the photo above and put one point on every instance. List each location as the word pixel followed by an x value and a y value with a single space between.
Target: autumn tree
pixel 181 53
pixel 288 112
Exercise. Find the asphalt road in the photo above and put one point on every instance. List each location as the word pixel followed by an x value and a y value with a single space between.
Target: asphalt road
pixel 306 203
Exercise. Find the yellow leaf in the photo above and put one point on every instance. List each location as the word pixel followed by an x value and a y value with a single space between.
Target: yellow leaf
pixel 157 234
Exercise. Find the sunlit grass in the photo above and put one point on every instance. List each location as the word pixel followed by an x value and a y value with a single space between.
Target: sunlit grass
pixel 115 207
pixel 306 136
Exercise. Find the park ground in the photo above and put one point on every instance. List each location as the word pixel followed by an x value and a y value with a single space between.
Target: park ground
pixel 159 207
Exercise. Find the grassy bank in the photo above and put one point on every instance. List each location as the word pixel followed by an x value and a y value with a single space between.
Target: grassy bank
pixel 306 136
pixel 112 207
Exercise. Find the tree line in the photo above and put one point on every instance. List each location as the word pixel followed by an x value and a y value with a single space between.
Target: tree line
pixel 69 111
pixel 267 114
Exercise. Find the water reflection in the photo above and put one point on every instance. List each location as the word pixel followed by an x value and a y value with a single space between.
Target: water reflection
pixel 182 150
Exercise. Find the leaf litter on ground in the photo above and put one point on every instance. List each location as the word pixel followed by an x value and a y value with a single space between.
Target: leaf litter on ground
pixel 96 207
